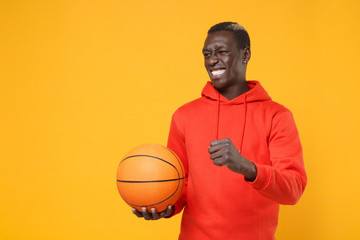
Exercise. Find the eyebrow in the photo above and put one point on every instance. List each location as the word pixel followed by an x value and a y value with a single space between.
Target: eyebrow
pixel 217 48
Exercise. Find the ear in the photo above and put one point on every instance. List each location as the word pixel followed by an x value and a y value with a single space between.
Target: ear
pixel 246 55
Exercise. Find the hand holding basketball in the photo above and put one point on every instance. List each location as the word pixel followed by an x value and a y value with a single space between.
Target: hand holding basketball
pixel 153 215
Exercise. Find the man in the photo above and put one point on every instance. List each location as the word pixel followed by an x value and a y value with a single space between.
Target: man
pixel 241 151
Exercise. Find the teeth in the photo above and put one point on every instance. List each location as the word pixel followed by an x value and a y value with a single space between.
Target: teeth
pixel 217 72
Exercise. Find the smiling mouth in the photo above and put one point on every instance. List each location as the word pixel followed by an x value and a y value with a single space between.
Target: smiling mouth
pixel 217 73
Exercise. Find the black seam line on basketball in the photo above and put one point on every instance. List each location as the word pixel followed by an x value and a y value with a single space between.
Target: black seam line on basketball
pixel 157 202
pixel 155 158
pixel 182 170
pixel 166 180
pixel 170 165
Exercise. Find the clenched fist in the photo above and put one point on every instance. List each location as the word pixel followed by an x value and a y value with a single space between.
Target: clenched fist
pixel 224 153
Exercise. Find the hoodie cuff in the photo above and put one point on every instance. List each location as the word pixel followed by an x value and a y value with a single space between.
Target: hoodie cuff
pixel 262 179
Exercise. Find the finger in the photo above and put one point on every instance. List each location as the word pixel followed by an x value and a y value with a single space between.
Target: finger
pixel 219 162
pixel 155 215
pixel 170 211
pixel 214 148
pixel 221 157
pixel 218 147
pixel 146 213
pixel 137 213
pixel 218 154
pixel 167 212
pixel 220 141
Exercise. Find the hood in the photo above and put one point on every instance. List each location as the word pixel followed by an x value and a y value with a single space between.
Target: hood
pixel 256 93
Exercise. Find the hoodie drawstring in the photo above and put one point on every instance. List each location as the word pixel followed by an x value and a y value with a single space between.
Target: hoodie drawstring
pixel 218 121
pixel 244 124
pixel 217 117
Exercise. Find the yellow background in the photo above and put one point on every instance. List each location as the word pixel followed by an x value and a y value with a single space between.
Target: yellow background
pixel 82 82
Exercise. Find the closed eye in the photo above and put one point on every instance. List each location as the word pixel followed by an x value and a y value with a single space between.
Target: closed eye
pixel 206 54
pixel 222 52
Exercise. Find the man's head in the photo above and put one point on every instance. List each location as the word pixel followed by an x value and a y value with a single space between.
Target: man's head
pixel 239 32
pixel 226 54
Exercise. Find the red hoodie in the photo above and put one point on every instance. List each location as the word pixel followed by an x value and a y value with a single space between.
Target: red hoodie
pixel 219 203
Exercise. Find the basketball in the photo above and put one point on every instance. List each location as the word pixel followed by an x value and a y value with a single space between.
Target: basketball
pixel 150 176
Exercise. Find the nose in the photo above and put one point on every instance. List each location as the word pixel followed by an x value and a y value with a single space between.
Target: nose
pixel 213 59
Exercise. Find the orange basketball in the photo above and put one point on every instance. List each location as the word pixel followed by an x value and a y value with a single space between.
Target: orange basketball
pixel 150 175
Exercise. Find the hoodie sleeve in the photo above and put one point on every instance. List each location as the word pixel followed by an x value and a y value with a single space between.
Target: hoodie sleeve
pixel 176 142
pixel 285 180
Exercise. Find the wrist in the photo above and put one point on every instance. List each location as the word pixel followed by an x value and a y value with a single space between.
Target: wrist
pixel 249 171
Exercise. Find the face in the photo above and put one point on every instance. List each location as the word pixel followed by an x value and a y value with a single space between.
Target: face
pixel 224 62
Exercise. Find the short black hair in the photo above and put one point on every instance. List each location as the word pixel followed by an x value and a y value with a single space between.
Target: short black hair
pixel 240 34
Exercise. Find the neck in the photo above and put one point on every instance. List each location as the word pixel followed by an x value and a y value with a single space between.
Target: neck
pixel 234 91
